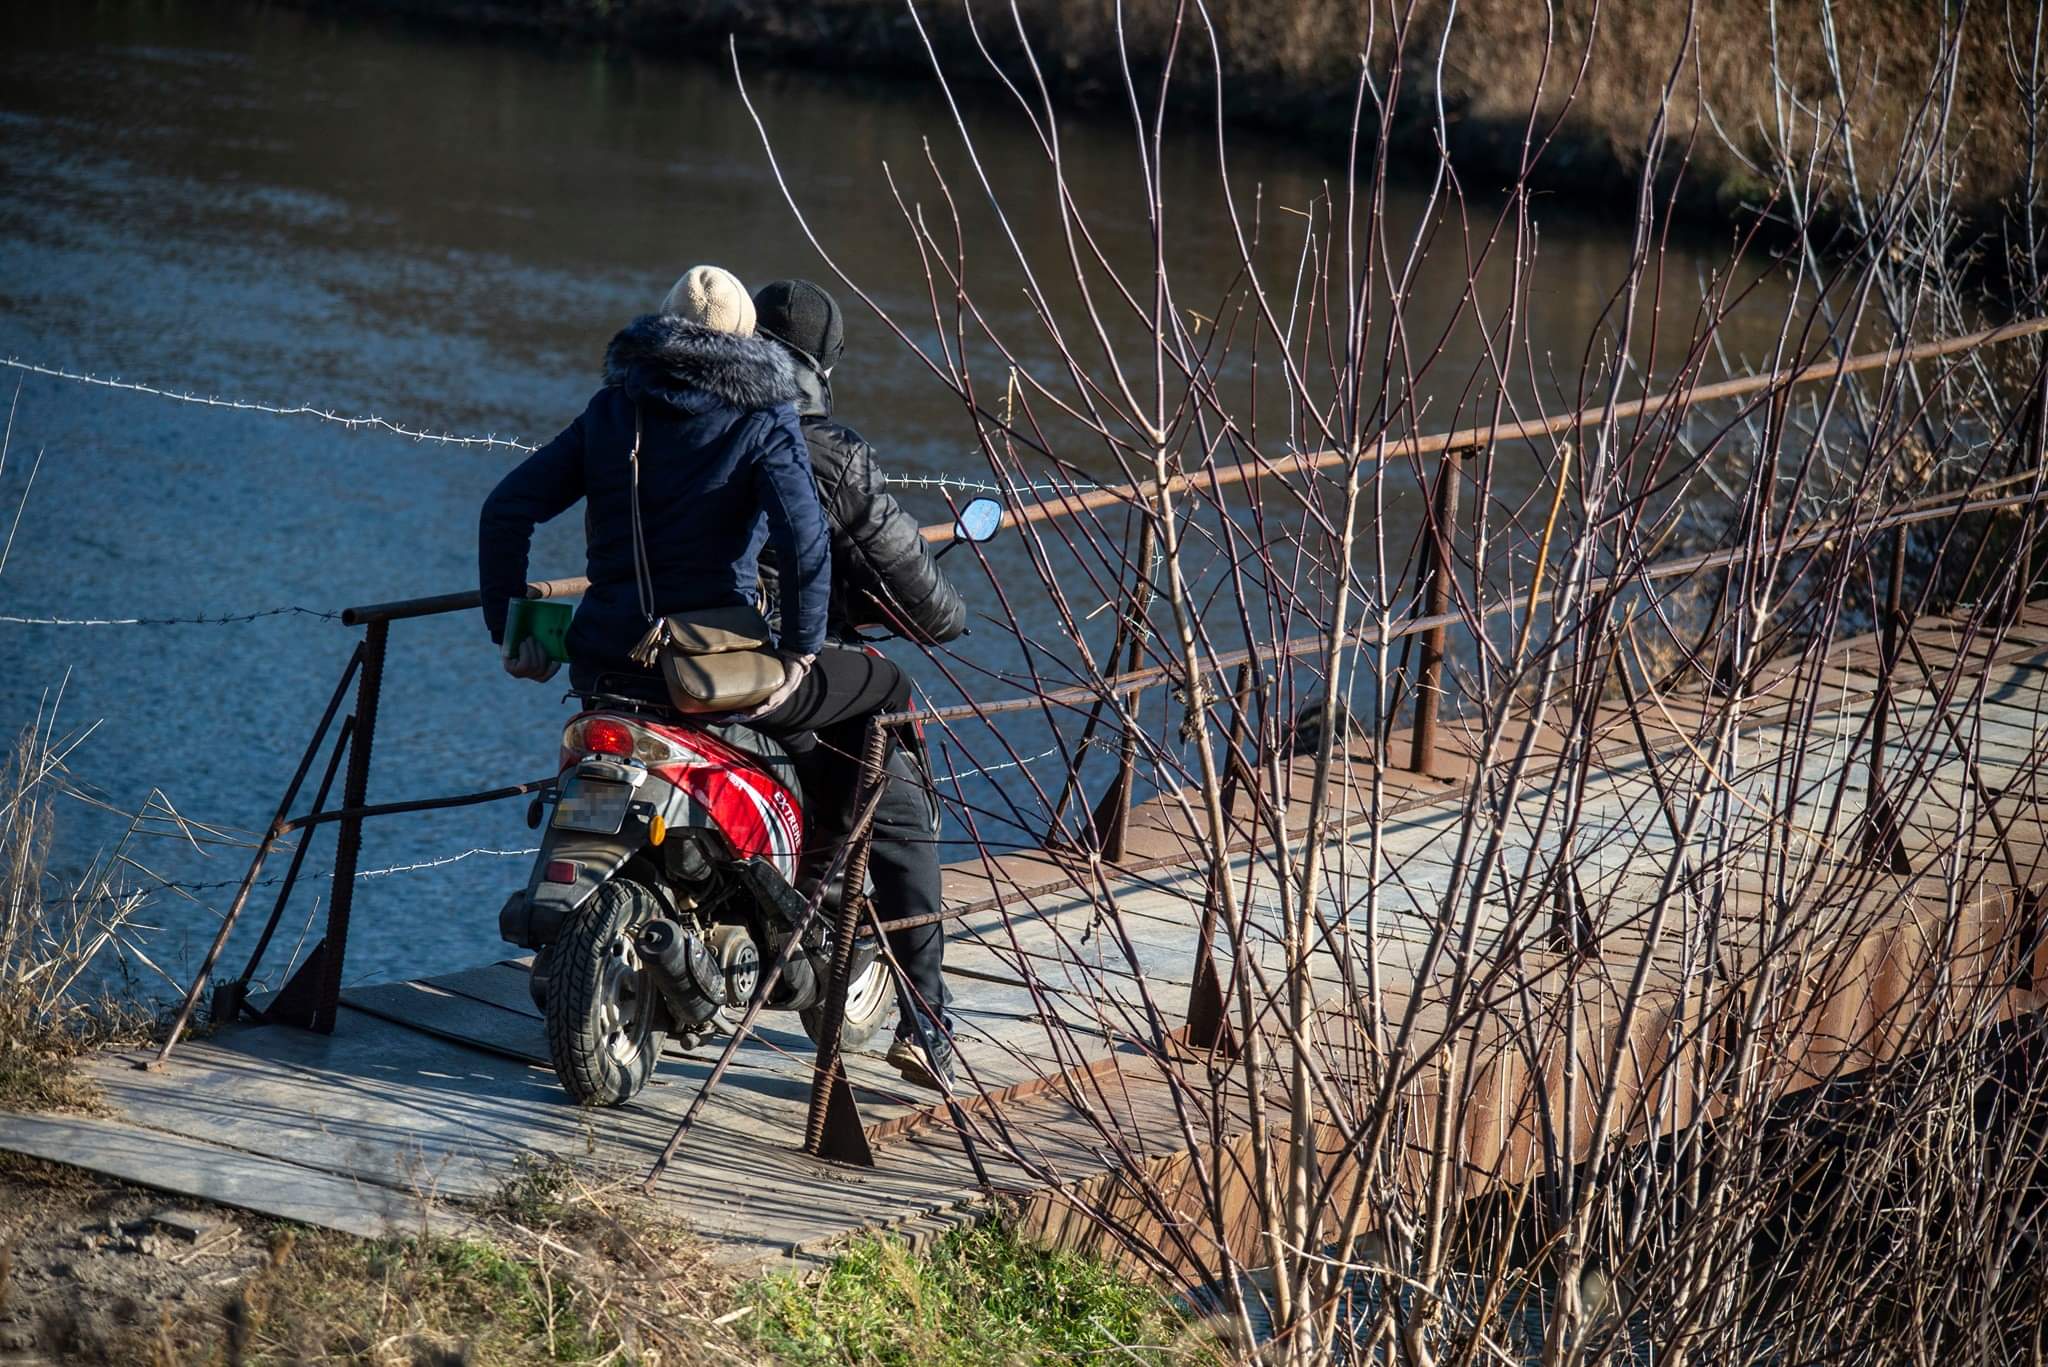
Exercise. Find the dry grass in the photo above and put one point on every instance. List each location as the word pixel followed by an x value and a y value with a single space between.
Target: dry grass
pixel 51 934
pixel 565 1267
pixel 557 1269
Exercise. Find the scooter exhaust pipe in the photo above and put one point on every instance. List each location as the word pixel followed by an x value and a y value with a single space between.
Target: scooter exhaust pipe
pixel 684 972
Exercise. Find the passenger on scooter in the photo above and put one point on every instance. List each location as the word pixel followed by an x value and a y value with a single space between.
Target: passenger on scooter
pixel 883 576
pixel 723 471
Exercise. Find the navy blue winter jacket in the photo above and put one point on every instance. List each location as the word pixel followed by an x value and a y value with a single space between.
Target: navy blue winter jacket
pixel 723 470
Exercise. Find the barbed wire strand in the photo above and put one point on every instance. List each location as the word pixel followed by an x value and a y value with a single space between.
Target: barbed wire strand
pixel 275 410
pixel 997 768
pixel 224 619
pixel 178 885
pixel 423 435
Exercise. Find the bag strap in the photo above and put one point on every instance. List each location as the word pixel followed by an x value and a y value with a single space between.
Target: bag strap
pixel 643 577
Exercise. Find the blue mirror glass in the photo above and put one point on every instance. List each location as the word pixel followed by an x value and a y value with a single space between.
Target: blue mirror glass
pixel 979 520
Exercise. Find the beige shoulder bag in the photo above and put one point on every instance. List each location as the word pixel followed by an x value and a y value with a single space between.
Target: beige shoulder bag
pixel 712 659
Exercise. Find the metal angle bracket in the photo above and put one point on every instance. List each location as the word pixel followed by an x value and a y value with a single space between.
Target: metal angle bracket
pixel 843 1139
pixel 298 1001
pixel 1208 1025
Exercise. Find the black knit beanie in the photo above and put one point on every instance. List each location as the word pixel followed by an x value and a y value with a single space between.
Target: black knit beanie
pixel 804 316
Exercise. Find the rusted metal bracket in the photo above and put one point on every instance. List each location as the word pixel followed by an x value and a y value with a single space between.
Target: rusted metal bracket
pixel 1883 844
pixel 1111 819
pixel 1438 540
pixel 834 1128
pixel 840 1135
pixel 229 998
pixel 1208 1024
pixel 298 1001
pixel 275 832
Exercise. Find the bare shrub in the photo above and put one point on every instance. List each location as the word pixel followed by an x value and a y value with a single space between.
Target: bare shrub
pixel 1688 1009
pixel 51 935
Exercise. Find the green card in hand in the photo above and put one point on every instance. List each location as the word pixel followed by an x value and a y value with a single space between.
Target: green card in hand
pixel 540 620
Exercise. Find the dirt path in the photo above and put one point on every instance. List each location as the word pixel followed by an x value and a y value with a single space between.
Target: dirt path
pixel 97 1271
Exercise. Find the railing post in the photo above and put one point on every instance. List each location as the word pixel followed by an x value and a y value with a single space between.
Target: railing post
pixel 1109 819
pixel 1883 841
pixel 833 1129
pixel 1439 548
pixel 348 842
pixel 271 836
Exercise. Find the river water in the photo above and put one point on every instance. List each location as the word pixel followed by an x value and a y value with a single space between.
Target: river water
pixel 266 205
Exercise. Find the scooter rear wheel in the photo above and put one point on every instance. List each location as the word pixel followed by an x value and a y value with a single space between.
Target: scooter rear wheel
pixel 870 997
pixel 601 1009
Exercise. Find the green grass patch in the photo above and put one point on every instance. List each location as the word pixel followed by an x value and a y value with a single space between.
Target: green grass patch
pixel 980 1296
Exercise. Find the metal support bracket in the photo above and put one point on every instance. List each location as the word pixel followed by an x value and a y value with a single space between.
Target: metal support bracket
pixel 834 1128
pixel 841 1135
pixel 1208 1022
pixel 298 1001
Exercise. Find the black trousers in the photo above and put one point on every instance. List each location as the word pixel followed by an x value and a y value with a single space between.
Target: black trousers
pixel 835 701
pixel 904 864
pixel 824 726
pixel 842 690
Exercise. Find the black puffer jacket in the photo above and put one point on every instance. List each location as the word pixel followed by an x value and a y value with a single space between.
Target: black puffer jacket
pixel 883 573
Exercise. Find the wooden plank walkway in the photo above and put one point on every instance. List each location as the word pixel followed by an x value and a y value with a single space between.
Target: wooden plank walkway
pixel 429 1092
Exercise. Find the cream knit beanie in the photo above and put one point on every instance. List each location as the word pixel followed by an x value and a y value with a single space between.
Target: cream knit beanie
pixel 714 298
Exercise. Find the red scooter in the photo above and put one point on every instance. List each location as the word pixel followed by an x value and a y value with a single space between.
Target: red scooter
pixel 663 890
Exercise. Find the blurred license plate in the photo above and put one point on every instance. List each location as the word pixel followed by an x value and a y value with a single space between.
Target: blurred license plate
pixel 593 805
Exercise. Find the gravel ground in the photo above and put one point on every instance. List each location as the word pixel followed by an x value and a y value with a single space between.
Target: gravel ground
pixel 97 1271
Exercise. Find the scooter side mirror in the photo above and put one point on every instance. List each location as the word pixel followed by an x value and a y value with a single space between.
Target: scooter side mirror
pixel 979 520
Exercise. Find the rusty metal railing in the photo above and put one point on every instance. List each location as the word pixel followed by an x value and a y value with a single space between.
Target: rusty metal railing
pixel 310 999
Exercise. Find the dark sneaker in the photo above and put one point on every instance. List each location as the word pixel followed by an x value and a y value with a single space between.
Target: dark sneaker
pixel 922 1064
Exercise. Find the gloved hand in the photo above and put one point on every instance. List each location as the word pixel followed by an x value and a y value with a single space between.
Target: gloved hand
pixel 794 668
pixel 531 661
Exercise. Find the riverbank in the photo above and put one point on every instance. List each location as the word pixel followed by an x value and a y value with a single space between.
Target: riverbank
pixel 562 1267
pixel 1291 66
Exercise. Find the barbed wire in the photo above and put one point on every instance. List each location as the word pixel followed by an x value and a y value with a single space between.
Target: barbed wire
pixel 444 862
pixel 982 486
pixel 422 435
pixel 224 619
pixel 957 774
pixel 222 885
pixel 276 410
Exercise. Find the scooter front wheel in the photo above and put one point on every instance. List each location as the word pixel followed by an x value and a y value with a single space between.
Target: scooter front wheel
pixel 601 1008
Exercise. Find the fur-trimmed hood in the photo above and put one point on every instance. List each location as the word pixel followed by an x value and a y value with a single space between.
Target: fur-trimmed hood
pixel 687 366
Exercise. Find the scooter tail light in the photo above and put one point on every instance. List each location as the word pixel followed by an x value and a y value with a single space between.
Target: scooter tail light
pixel 620 740
pixel 604 736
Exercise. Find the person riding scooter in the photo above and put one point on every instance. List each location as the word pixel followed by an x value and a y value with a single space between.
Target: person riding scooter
pixel 883 576
pixel 696 422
